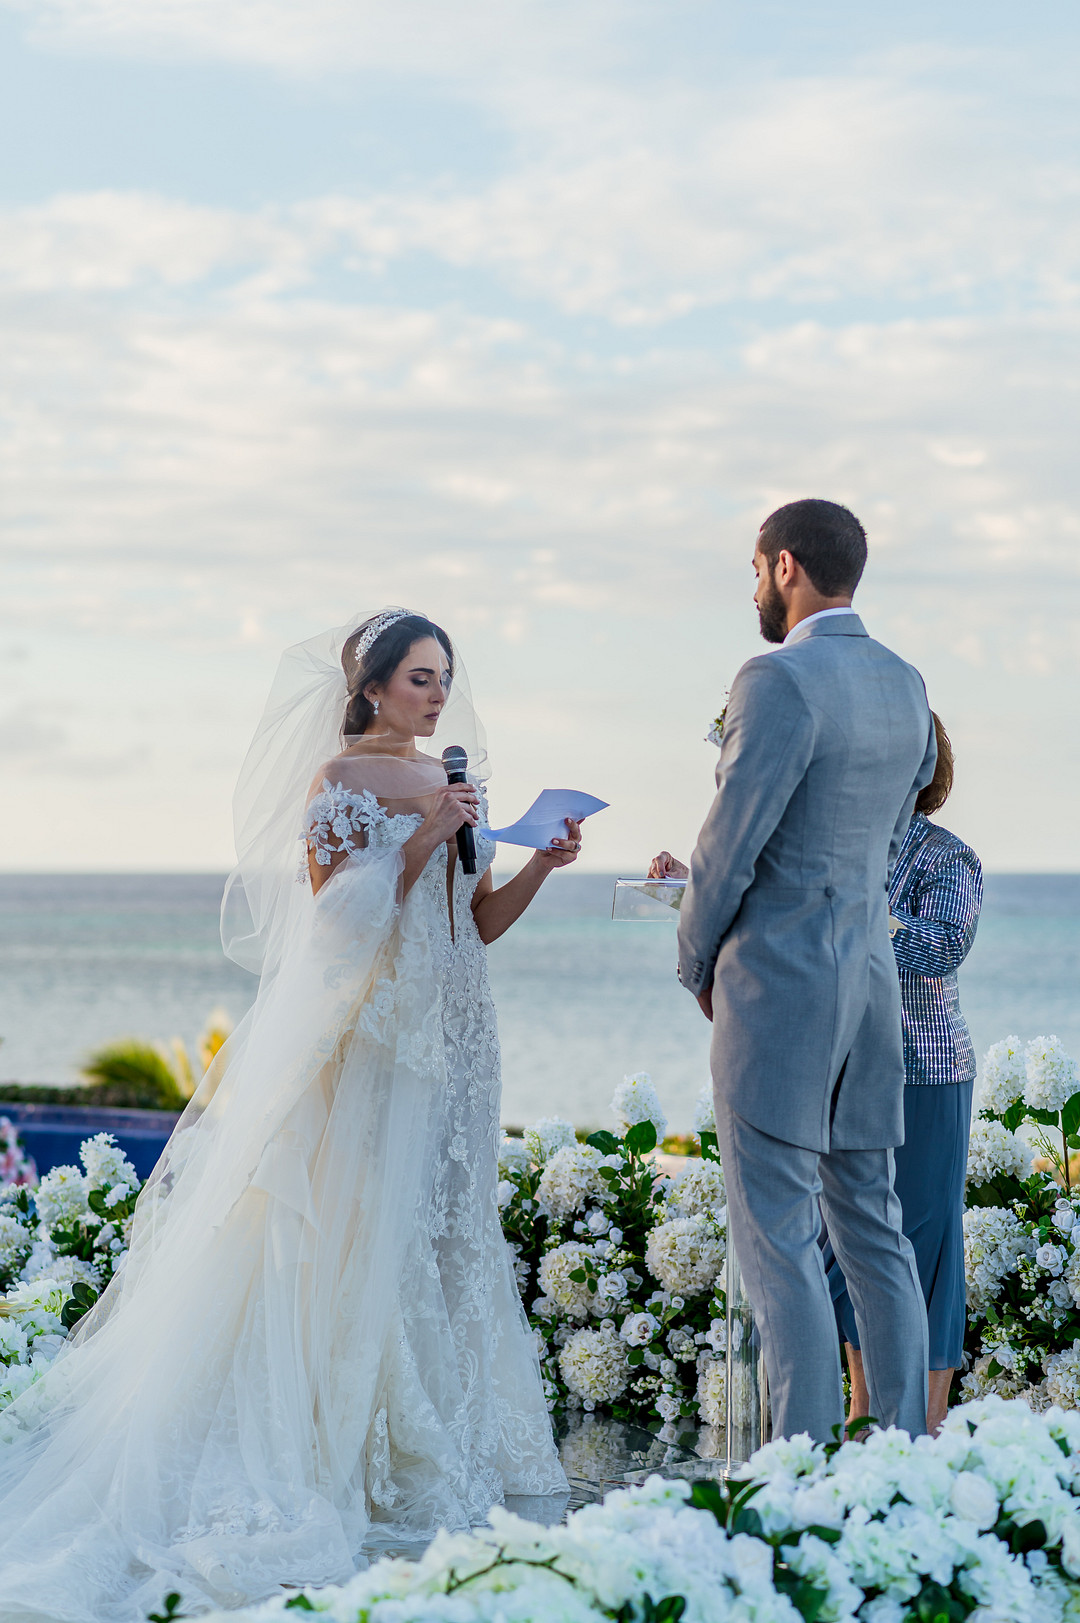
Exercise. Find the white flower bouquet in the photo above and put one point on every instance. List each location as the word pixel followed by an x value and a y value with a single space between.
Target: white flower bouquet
pixel 620 1269
pixel 1022 1227
pixel 980 1522
pixel 60 1243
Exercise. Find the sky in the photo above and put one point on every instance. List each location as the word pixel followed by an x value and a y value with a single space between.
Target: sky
pixel 526 315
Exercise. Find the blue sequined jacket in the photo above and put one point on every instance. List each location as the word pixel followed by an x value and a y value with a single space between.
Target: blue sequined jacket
pixel 936 894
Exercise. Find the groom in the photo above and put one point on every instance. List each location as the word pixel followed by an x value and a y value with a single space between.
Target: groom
pixel 784 940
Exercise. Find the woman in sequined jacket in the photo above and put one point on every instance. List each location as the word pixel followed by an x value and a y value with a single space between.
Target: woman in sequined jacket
pixel 935 897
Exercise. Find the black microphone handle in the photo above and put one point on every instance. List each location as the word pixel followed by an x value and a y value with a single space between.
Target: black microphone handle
pixel 466 845
pixel 466 849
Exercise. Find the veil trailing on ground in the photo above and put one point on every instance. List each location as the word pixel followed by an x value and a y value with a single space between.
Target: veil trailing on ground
pixel 300 729
pixel 269 1386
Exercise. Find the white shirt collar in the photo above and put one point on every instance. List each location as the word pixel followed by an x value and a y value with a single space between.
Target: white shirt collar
pixel 821 614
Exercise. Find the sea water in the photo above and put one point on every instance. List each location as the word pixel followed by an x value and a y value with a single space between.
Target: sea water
pixel 582 1000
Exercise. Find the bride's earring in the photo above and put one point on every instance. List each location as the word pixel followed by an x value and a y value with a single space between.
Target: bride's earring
pixel 375 706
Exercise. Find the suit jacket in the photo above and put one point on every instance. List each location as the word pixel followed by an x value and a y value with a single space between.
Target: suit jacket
pixel 827 741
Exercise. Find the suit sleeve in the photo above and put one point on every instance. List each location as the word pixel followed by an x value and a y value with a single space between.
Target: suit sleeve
pixel 768 744
pixel 922 778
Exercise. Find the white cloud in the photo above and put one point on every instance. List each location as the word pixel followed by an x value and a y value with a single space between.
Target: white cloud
pixel 223 428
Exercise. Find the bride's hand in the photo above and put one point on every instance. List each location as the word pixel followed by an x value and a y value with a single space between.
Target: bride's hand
pixel 451 808
pixel 665 866
pixel 560 853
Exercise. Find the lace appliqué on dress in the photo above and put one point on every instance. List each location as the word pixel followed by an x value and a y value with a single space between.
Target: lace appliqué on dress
pixel 334 816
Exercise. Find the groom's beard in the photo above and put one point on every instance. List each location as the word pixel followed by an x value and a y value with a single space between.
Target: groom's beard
pixel 772 615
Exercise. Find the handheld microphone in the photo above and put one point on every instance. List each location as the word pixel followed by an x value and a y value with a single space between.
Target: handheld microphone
pixel 456 762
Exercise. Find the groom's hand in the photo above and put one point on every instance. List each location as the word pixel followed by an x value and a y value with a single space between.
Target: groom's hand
pixel 665 866
pixel 705 1002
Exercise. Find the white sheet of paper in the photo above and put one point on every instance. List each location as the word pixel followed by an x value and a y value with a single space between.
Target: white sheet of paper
pixel 545 819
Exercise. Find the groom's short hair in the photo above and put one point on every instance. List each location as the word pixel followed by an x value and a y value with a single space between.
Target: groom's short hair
pixel 824 537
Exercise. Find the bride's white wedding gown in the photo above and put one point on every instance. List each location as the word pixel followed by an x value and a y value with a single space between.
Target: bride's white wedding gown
pixel 315 1346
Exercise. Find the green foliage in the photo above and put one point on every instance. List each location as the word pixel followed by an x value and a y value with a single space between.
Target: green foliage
pixel 668 1610
pixel 80 1302
pixel 139 1070
pixel 170 1614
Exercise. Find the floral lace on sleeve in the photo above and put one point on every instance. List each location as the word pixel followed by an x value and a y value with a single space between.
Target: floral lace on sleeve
pixel 335 816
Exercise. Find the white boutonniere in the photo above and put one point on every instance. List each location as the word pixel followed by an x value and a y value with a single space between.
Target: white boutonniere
pixel 715 734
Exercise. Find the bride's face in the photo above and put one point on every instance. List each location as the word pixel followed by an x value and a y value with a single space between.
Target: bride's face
pixel 411 701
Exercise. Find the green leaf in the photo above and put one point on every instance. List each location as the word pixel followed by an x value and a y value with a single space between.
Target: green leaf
pixel 579 1276
pixel 170 1613
pixel 635 1356
pixel 299 1603
pixel 707 1496
pixel 747 1520
pixel 709 1149
pixel 1070 1114
pixel 1046 1118
pixel 606 1143
pixel 592 1285
pixel 641 1138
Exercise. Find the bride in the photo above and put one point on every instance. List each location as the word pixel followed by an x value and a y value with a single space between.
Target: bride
pixel 315 1347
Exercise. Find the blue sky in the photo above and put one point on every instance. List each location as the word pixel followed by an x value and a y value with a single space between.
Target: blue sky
pixel 526 315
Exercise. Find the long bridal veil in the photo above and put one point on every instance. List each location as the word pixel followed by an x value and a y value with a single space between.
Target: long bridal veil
pixel 223 1420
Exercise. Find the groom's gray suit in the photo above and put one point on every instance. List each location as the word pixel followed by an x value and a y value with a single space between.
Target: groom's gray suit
pixel 827 741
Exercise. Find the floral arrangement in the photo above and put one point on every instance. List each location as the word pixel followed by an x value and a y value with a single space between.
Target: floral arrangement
pixel 1022 1227
pixel 982 1521
pixel 621 1269
pixel 15 1165
pixel 60 1243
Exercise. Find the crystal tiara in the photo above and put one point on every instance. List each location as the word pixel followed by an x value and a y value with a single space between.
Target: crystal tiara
pixel 372 633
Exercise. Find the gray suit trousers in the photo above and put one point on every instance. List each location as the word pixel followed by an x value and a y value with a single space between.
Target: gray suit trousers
pixel 774 1222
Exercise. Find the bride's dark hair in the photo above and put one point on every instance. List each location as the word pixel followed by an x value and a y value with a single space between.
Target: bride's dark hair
pixel 381 661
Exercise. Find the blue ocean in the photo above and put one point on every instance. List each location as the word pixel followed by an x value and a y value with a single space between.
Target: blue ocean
pixel 581 1000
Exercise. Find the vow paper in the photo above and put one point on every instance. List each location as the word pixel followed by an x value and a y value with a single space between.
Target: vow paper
pixel 545 819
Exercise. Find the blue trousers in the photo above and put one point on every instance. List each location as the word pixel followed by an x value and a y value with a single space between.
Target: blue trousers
pixel 929 1182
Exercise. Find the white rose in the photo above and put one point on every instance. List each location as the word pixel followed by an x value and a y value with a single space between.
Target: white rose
pixel 973 1499
pixel 504 1193
pixel 1050 1257
pixel 638 1329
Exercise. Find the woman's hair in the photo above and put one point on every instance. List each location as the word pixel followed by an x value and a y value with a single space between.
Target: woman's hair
pixel 381 661
pixel 937 791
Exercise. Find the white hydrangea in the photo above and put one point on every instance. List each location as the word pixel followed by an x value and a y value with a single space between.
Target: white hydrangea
pixel 685 1254
pixel 699 1192
pixel 638 1329
pixel 593 1364
pixel 711 1401
pixel 547 1135
pixel 14 1342
pixel 1051 1075
pixel 61 1197
pixel 994 1240
pixel 106 1164
pixel 634 1100
pixel 1003 1077
pixel 1071 1277
pixel 570 1178
pixel 994 1151
pixel 514 1157
pixel 553 1275
pixel 704 1113
pixel 1063 1377
pixel 15 1243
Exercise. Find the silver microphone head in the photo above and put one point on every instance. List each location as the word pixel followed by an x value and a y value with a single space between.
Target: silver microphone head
pixel 455 759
